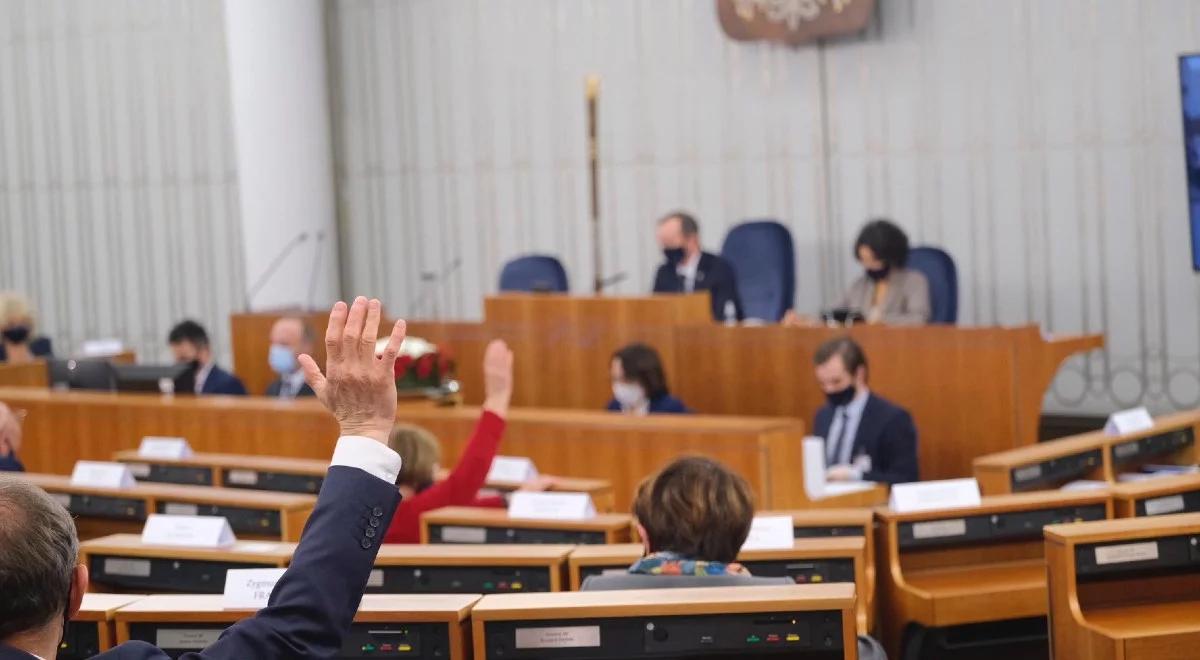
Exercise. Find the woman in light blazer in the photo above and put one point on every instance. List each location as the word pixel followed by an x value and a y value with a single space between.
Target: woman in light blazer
pixel 887 292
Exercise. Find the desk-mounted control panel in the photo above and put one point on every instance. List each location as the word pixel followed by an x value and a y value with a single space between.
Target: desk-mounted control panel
pixel 458 579
pixel 1008 526
pixel 1054 471
pixel 816 635
pixel 426 641
pixel 828 531
pixel 158 574
pixel 474 534
pixel 801 571
pixel 1129 558
pixel 102 506
pixel 241 519
pixel 267 480
pixel 81 640
pixel 1144 449
pixel 166 473
pixel 1161 505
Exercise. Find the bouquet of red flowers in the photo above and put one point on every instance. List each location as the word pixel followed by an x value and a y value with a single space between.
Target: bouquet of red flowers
pixel 421 366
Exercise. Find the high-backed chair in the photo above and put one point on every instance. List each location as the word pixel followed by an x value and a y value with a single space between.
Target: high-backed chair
pixel 765 264
pixel 938 268
pixel 534 272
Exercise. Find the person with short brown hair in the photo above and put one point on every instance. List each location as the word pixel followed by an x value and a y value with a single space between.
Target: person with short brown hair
pixel 639 383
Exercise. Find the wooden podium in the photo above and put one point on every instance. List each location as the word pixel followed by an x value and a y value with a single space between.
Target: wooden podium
pixel 972 391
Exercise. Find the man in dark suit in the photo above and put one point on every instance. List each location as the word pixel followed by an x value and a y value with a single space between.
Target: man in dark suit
pixel 190 345
pixel 313 605
pixel 291 337
pixel 688 268
pixel 867 438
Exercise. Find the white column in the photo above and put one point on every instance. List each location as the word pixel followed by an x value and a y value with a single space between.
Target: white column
pixel 280 95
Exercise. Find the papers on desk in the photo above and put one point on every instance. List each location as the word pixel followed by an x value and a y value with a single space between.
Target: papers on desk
pixel 1083 484
pixel 815 484
pixel 101 474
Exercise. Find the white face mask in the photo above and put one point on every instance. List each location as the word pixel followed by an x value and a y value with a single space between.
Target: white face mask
pixel 629 395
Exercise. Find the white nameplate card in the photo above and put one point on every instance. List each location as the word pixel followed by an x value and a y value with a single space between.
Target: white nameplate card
pixel 770 533
pixel 517 469
pixel 249 588
pixel 551 506
pixel 1127 552
pixel 188 531
pixel 1134 420
pixel 100 474
pixel 165 448
pixel 815 484
pixel 101 347
pixel 932 495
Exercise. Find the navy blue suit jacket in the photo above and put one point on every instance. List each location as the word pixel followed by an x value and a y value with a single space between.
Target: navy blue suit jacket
pixel 314 604
pixel 887 434
pixel 663 404
pixel 273 389
pixel 10 463
pixel 220 381
pixel 713 274
pixel 39 347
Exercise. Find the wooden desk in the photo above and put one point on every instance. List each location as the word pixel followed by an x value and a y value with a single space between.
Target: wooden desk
pixel 30 374
pixel 435 626
pixel 564 345
pixel 461 524
pixel 815 621
pixel 1126 589
pixel 92 631
pixel 809 561
pixel 486 569
pixel 954 567
pixel 121 562
pixel 64 427
pixel 1157 497
pixel 1094 456
pixel 105 511
pixel 295 475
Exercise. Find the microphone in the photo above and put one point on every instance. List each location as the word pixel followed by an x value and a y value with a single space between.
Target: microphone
pixel 611 280
pixel 316 265
pixel 433 281
pixel 271 269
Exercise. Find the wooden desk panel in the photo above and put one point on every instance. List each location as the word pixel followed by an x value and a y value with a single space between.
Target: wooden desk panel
pixel 122 562
pixel 95 613
pixel 593 607
pixel 452 610
pixel 502 557
pixel 1144 606
pixel 612 527
pixel 1157 497
pixel 967 565
pixel 30 374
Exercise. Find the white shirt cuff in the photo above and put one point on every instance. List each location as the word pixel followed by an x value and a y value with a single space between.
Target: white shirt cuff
pixel 370 456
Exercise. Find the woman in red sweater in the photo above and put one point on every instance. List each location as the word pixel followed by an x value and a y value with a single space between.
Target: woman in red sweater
pixel 421 452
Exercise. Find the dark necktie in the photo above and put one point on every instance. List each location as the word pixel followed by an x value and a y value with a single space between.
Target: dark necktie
pixel 841 437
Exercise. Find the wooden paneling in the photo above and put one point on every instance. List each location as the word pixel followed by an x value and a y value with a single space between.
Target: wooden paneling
pixel 30 374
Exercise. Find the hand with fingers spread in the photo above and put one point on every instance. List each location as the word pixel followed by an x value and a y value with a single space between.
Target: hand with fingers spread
pixel 357 387
pixel 497 377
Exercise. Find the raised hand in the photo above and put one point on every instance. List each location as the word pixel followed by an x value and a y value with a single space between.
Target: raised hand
pixel 497 377
pixel 357 387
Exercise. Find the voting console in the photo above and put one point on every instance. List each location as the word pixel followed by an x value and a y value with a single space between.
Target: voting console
pixel 421 626
pixel 479 525
pixel 92 631
pixel 473 569
pixel 971 582
pixel 809 621
pixel 1126 589
pixel 1159 496
pixel 122 562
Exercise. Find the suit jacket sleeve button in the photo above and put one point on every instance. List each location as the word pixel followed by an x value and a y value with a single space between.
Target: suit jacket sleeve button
pixel 377 511
pixel 366 544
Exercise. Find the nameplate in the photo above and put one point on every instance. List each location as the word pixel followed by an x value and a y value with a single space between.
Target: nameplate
pixel 249 588
pixel 188 531
pixel 242 477
pixel 1157 506
pixel 770 533
pixel 1127 552
pixel 100 474
pixel 164 448
pixel 551 506
pixel 563 637
pixel 180 509
pixel 939 529
pixel 101 347
pixel 518 469
pixel 453 534
pixel 127 567
pixel 1134 420
pixel 139 470
pixel 933 495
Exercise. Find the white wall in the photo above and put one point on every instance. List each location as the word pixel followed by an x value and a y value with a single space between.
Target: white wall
pixel 118 194
pixel 1037 141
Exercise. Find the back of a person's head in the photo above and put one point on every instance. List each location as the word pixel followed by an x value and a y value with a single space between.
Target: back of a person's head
pixel 38 553
pixel 697 508
pixel 419 454
pixel 189 331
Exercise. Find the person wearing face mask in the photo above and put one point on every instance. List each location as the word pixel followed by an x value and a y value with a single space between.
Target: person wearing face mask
pixel 688 268
pixel 290 338
pixel 10 439
pixel 420 454
pixel 867 438
pixel 887 292
pixel 189 345
pixel 18 343
pixel 639 383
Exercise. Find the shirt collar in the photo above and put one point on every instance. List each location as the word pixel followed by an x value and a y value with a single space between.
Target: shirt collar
pixel 855 407
pixel 689 267
pixel 202 376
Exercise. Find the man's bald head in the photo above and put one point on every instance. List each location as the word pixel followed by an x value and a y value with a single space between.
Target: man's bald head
pixel 293 332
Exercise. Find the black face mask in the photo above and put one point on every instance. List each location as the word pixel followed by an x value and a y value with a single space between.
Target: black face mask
pixel 16 334
pixel 879 273
pixel 674 255
pixel 841 397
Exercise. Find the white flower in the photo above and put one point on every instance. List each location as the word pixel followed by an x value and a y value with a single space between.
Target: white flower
pixel 413 347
